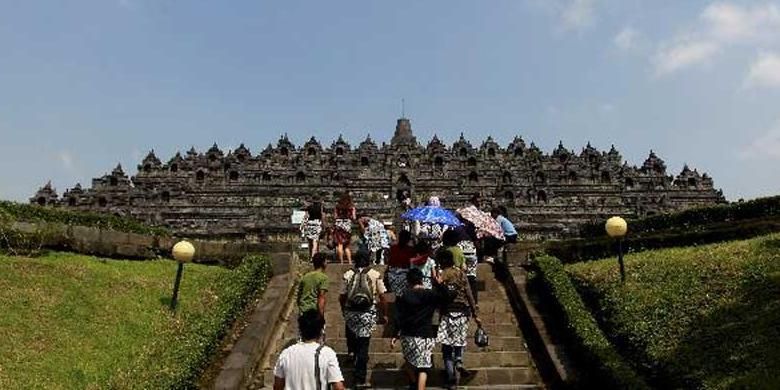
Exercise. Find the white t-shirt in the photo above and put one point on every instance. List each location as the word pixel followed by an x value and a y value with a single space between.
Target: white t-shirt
pixel 296 366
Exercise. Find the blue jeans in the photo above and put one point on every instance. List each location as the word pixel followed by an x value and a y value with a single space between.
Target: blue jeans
pixel 453 357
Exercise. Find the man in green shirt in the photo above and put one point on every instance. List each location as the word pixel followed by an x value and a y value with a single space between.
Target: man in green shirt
pixel 313 288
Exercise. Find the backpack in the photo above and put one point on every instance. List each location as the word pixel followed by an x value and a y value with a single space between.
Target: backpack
pixel 360 297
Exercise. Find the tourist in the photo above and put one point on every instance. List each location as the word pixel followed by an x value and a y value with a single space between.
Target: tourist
pixel 297 363
pixel 313 287
pixel 467 236
pixel 344 214
pixel 424 263
pixel 400 255
pixel 500 214
pixel 454 322
pixel 476 200
pixel 450 240
pixel 431 232
pixel 361 288
pixel 493 244
pixel 312 227
pixel 375 238
pixel 414 326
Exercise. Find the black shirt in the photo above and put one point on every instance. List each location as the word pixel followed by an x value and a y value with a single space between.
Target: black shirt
pixel 415 311
pixel 315 211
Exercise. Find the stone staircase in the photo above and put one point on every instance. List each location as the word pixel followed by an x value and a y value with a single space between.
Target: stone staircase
pixel 504 364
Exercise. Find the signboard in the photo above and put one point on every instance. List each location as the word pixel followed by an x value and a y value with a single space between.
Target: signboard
pixel 297 217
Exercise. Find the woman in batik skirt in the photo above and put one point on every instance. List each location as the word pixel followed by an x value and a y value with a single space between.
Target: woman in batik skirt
pixel 455 314
pixel 400 256
pixel 467 235
pixel 376 238
pixel 414 326
pixel 312 226
pixel 344 214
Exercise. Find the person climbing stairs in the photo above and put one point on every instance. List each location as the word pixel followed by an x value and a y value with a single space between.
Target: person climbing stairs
pixel 504 364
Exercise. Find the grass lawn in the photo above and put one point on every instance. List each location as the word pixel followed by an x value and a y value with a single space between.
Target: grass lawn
pixel 75 322
pixel 697 317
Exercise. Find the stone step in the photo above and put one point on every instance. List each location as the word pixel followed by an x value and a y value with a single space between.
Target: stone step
pixel 383 345
pixel 471 359
pixel 339 269
pixel 493 294
pixel 486 308
pixel 396 378
pixel 384 331
pixel 333 318
pixel 484 282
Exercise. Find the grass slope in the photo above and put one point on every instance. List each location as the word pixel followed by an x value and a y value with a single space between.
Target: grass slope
pixel 72 321
pixel 704 317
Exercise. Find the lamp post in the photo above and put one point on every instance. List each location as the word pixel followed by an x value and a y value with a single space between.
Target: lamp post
pixel 183 252
pixel 616 228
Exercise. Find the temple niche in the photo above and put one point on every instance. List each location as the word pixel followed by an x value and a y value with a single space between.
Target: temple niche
pixel 238 194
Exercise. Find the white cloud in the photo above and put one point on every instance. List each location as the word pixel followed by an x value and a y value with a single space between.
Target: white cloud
pixel 683 54
pixel 626 39
pixel 765 71
pixel 720 26
pixel 66 159
pixel 732 23
pixel 578 14
pixel 767 146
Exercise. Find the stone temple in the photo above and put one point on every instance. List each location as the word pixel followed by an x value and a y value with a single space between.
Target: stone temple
pixel 241 195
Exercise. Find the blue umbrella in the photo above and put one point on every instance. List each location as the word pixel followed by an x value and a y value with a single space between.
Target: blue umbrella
pixel 432 214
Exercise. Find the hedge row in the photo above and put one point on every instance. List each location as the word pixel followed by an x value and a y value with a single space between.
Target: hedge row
pixel 583 249
pixel 35 213
pixel 693 219
pixel 198 344
pixel 589 341
pixel 695 317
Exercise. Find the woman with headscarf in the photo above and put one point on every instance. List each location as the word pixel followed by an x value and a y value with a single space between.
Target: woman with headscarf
pixel 344 214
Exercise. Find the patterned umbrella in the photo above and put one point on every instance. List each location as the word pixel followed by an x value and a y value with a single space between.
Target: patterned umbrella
pixel 431 215
pixel 486 225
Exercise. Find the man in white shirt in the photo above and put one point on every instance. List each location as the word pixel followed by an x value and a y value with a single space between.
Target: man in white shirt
pixel 308 365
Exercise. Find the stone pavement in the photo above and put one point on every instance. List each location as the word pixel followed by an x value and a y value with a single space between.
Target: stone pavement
pixel 504 364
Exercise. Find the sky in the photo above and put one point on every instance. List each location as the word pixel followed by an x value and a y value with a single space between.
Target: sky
pixel 85 85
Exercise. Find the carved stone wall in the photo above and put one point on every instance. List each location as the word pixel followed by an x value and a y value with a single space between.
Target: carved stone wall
pixel 238 194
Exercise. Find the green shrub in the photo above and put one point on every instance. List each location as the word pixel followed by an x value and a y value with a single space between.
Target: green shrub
pixel 590 342
pixel 596 247
pixel 693 219
pixel 704 317
pixel 195 344
pixel 35 213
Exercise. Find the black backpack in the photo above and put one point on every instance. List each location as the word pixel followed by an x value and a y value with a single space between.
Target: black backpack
pixel 360 297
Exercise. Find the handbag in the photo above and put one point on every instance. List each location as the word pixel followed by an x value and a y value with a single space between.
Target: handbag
pixel 481 338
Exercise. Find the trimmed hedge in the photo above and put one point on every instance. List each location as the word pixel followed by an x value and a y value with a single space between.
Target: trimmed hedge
pixel 35 213
pixel 686 228
pixel 693 219
pixel 705 317
pixel 577 250
pixel 195 346
pixel 589 341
